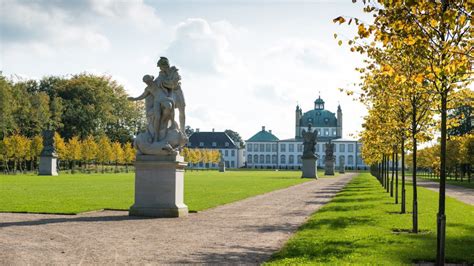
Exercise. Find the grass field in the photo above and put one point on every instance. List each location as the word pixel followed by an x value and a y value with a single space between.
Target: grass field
pixel 71 194
pixel 464 183
pixel 362 225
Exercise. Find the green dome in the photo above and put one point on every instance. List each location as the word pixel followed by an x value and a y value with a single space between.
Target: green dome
pixel 319 101
pixel 263 136
pixel 318 118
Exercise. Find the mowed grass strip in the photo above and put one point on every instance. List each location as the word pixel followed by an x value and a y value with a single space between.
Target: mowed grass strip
pixel 362 225
pixel 454 182
pixel 71 194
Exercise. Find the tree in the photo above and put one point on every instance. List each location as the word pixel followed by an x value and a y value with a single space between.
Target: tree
pixel 35 150
pixel 189 131
pixel 117 154
pixel 89 150
pixel 104 154
pixel 74 151
pixel 7 123
pixel 129 154
pixel 235 137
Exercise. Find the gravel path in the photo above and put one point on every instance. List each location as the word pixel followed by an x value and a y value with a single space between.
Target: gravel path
pixel 463 194
pixel 247 231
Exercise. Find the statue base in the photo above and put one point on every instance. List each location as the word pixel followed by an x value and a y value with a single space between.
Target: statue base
pixel 48 165
pixel 342 169
pixel 159 186
pixel 309 168
pixel 329 168
pixel 221 167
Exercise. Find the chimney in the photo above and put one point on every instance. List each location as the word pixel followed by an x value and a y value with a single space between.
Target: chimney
pixel 197 130
pixel 263 128
pixel 212 130
pixel 270 131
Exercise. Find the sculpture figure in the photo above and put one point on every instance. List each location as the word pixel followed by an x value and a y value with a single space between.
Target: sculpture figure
pixel 162 95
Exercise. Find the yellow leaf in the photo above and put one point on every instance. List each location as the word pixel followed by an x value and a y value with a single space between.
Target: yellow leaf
pixel 419 78
pixel 339 42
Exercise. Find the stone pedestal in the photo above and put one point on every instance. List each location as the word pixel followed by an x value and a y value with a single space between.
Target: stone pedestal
pixel 329 167
pixel 342 168
pixel 48 165
pixel 222 167
pixel 159 186
pixel 309 168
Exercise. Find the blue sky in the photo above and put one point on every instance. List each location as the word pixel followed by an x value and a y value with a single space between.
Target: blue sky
pixel 244 64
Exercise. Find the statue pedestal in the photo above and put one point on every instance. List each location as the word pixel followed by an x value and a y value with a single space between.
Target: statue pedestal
pixel 159 186
pixel 309 168
pixel 329 167
pixel 221 167
pixel 342 168
pixel 47 165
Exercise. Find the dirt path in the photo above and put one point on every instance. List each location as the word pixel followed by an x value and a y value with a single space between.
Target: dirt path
pixel 463 194
pixel 248 231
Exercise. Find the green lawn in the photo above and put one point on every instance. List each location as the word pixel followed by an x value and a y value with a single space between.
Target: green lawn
pixel 464 183
pixel 362 225
pixel 86 192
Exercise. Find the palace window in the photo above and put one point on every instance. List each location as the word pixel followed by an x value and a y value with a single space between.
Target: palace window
pixel 226 153
pixel 227 144
pixel 201 144
pixel 342 147
pixel 342 159
pixel 291 159
pixel 350 148
pixel 232 164
pixel 274 147
pixel 214 144
pixel 350 160
pixel 249 147
pixel 267 147
pixel 255 147
pixel 232 153
pixel 255 159
pixel 274 159
pixel 267 159
pixel 282 147
pixel 262 159
pixel 262 147
pixel 299 159
pixel 326 132
pixel 317 147
pixel 291 147
pixel 249 159
pixel 300 147
pixel 282 159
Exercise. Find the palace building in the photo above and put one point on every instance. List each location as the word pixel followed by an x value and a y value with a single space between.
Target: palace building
pixel 265 150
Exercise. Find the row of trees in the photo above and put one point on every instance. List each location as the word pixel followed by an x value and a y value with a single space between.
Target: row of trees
pixel 206 156
pixel 419 57
pixel 78 105
pixel 459 158
pixel 18 152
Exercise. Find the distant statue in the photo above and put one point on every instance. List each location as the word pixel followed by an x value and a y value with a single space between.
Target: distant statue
pixel 49 148
pixel 162 95
pixel 309 143
pixel 330 151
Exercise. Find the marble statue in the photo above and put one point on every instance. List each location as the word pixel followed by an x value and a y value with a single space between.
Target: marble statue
pixel 162 96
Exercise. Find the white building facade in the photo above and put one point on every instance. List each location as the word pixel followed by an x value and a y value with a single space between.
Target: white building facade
pixel 265 150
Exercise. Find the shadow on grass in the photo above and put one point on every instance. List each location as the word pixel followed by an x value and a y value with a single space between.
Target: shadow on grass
pixel 338 222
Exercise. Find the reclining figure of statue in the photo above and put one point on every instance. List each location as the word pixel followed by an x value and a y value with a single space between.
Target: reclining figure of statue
pixel 163 135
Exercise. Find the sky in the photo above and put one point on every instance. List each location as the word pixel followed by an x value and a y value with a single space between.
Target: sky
pixel 244 64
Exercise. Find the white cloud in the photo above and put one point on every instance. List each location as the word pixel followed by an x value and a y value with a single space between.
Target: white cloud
pixel 202 47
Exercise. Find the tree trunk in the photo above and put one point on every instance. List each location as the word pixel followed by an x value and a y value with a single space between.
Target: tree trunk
pixel 393 174
pixel 441 221
pixel 415 192
pixel 396 176
pixel 402 150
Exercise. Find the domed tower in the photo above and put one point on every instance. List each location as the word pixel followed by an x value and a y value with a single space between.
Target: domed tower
pixel 339 121
pixel 298 115
pixel 319 104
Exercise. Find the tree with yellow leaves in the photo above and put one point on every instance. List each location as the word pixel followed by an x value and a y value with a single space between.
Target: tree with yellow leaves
pixel 35 150
pixel 117 154
pixel 104 155
pixel 128 154
pixel 61 149
pixel 74 152
pixel 89 150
